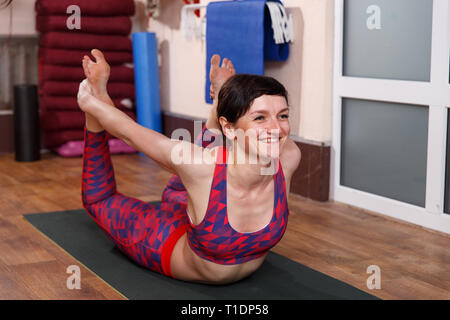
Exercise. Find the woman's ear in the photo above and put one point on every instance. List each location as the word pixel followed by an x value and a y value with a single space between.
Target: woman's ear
pixel 227 128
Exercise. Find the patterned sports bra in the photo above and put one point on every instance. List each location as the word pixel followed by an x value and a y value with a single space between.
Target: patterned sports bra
pixel 215 240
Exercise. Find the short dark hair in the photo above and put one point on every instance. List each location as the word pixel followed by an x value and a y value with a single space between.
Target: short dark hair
pixel 239 91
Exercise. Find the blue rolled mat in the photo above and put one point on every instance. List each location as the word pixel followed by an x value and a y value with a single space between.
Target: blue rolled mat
pixel 241 31
pixel 146 75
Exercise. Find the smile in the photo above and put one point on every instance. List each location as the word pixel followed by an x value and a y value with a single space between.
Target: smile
pixel 270 140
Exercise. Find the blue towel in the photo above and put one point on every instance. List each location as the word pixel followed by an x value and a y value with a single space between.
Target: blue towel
pixel 241 31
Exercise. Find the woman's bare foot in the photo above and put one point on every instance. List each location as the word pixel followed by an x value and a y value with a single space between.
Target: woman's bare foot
pixel 218 75
pixel 85 96
pixel 97 72
pixel 86 100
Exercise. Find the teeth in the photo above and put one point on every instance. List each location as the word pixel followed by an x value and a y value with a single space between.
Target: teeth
pixel 269 141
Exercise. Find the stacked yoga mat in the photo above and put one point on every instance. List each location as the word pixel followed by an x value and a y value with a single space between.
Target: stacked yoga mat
pixel 105 25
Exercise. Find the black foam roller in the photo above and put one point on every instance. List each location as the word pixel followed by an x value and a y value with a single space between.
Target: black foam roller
pixel 26 123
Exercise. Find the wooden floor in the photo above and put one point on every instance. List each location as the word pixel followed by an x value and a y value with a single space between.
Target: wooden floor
pixel 333 238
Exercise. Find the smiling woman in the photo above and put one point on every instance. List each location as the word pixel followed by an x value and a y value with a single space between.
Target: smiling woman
pixel 237 213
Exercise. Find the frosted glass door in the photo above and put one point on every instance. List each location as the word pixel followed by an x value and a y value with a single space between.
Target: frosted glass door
pixel 384 149
pixel 389 39
pixel 447 174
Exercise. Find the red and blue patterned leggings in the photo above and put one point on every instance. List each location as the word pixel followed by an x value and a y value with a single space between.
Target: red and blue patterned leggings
pixel 146 233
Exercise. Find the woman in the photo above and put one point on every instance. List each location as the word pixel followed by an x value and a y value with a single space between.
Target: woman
pixel 233 214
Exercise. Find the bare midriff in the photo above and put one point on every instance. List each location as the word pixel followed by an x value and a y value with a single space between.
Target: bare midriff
pixel 188 266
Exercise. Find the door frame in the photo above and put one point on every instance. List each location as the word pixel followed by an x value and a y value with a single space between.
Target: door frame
pixel 435 94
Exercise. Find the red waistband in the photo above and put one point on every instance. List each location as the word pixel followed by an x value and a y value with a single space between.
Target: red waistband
pixel 168 249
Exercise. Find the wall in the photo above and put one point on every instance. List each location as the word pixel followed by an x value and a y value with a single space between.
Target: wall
pixel 22 24
pixel 183 63
pixel 182 75
pixel 23 18
pixel 183 68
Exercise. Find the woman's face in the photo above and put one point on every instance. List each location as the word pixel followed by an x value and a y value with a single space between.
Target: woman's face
pixel 265 126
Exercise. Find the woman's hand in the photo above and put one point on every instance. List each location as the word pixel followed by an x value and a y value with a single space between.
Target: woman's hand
pixel 97 73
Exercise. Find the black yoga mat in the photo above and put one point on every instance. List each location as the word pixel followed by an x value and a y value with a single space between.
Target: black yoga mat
pixel 278 277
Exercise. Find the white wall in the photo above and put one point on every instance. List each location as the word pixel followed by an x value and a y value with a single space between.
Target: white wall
pixel 183 68
pixel 23 18
pixel 183 63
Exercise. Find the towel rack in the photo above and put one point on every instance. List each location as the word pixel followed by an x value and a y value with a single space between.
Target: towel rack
pixel 154 8
pixel 191 27
pixel 282 23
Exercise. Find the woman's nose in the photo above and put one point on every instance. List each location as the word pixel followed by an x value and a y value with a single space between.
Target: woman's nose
pixel 274 127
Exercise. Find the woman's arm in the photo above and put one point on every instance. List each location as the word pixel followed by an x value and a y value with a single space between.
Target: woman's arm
pixel 103 115
pixel 173 155
pixel 290 160
pixel 212 122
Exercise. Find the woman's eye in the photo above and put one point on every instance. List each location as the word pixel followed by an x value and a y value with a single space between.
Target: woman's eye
pixel 259 118
pixel 284 116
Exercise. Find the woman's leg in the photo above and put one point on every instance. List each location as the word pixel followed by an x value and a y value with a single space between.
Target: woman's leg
pixel 115 213
pixel 145 233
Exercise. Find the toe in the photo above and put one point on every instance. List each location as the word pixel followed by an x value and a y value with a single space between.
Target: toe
pixel 215 60
pixel 98 55
pixel 224 62
pixel 231 68
pixel 211 92
pixel 85 66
